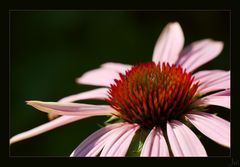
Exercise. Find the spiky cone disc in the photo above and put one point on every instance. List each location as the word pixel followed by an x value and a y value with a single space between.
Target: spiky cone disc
pixel 151 94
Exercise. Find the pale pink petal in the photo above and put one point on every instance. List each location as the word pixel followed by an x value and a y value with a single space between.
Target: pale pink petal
pixel 222 93
pixel 95 147
pixel 212 126
pixel 99 94
pixel 118 67
pixel 155 144
pixel 223 101
pixel 224 84
pixel 115 137
pixel 120 147
pixel 75 109
pixel 221 98
pixel 63 120
pixel 93 144
pixel 163 148
pixel 98 146
pixel 175 145
pixel 208 74
pixel 147 147
pixel 169 44
pixel 199 53
pixel 183 141
pixel 212 80
pixel 100 143
pixel 98 77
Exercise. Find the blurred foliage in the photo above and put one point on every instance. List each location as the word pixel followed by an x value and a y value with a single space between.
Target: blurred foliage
pixel 50 49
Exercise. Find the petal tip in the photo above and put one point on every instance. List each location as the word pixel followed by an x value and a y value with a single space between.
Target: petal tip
pixel 174 23
pixel 32 102
pixel 218 44
pixel 221 44
pixel 175 26
pixel 11 141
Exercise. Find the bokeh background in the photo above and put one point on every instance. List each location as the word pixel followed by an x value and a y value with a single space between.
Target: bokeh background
pixel 50 49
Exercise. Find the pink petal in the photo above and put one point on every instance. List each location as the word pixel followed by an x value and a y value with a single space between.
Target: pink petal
pixel 96 147
pixel 183 141
pixel 163 148
pixel 222 84
pixel 120 147
pixel 108 149
pixel 205 75
pixel 147 147
pixel 72 108
pixel 98 77
pixel 169 44
pixel 212 126
pixel 63 120
pixel 93 144
pixel 99 94
pixel 223 101
pixel 212 80
pixel 155 144
pixel 199 53
pixel 118 67
pixel 222 93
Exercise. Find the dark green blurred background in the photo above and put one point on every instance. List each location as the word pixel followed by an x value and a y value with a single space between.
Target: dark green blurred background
pixel 50 49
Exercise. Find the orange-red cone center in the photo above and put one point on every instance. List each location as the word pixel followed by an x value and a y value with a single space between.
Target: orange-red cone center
pixel 151 94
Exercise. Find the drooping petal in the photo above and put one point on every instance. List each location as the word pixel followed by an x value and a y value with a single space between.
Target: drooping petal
pixel 221 98
pixel 63 120
pixel 212 80
pixel 110 148
pixel 220 85
pixel 147 147
pixel 75 109
pixel 98 94
pixel 222 93
pixel 93 144
pixel 120 147
pixel 183 141
pixel 118 67
pixel 169 44
pixel 163 148
pixel 223 101
pixel 212 126
pixel 98 77
pixel 199 53
pixel 155 144
pixel 205 75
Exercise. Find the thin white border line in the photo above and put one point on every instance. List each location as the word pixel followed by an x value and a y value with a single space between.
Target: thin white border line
pixel 137 10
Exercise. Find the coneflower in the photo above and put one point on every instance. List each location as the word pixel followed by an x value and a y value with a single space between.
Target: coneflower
pixel 160 98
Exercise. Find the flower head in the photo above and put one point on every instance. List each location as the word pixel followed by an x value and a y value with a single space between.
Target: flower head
pixel 159 98
pixel 150 94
